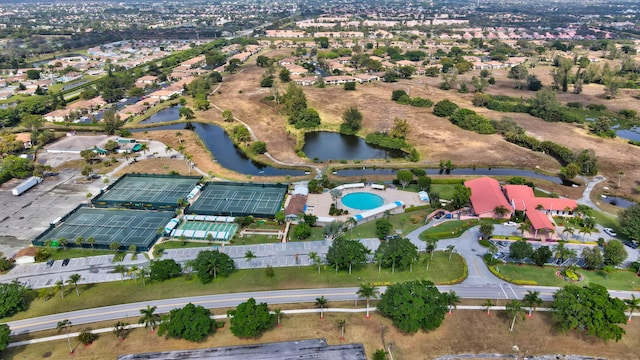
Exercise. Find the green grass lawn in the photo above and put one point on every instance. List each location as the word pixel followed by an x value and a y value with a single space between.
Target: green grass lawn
pixel 189 244
pixel 59 254
pixel 405 223
pixel 317 233
pixel 444 190
pixel 447 230
pixel 112 293
pixel 618 280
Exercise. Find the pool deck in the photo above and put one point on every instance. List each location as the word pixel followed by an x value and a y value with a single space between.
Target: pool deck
pixel 319 204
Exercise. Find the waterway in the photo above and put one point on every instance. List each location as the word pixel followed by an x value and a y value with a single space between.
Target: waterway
pixel 325 145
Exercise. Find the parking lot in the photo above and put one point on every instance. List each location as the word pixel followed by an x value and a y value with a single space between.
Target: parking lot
pixel 26 216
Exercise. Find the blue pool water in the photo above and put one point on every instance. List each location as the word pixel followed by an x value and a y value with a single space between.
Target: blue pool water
pixel 362 201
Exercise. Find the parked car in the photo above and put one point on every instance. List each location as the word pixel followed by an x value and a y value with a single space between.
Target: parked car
pixel 50 262
pixel 65 262
pixel 631 244
pixel 610 232
pixel 510 223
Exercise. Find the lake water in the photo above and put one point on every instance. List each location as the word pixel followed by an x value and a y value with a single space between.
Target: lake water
pixel 171 113
pixel 226 153
pixel 619 202
pixel 325 145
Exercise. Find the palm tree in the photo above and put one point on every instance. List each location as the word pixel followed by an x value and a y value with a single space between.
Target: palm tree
pixel 532 300
pixel 315 259
pixel 493 249
pixel 60 287
pixel 179 136
pixel 149 317
pixel 321 302
pixel 341 324
pixel 78 241
pixel 119 328
pixel 562 252
pixel 569 230
pixel 351 223
pixel 620 175
pixel 64 325
pixel 632 304
pixel 487 305
pixel 608 269
pixel 63 242
pixel 452 300
pixel 585 230
pixel 73 279
pixel 500 211
pixel 143 273
pixel 514 308
pixel 120 269
pixel 524 226
pixel 450 251
pixel 278 313
pixel 168 149
pixel 368 292
pixel 91 241
pixel 378 257
pixel 432 244
pixel 249 255
pixel 336 194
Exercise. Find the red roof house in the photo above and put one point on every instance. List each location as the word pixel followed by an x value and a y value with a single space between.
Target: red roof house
pixel 486 195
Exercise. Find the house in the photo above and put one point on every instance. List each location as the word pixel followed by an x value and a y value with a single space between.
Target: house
pixel 146 81
pixel 57 115
pixel 296 205
pixel 25 138
pixel 26 255
pixel 164 94
pixel 486 196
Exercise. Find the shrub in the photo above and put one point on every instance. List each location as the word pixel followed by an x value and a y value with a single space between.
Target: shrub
pixel 259 147
pixel 420 102
pixel 350 86
pixel 86 337
pixel 445 108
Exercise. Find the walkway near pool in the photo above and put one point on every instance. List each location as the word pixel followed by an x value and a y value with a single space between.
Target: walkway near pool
pixel 319 204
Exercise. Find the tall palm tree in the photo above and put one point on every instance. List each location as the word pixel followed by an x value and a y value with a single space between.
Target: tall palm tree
pixel 341 324
pixel 149 317
pixel 321 302
pixel 119 329
pixel 351 223
pixel 368 292
pixel 632 304
pixel 179 136
pixel 487 305
pixel 73 279
pixel 432 244
pixel 278 313
pixel 524 226
pixel 315 259
pixel 532 300
pixel 452 300
pixel 91 241
pixel 60 287
pixel 249 255
pixel 64 325
pixel 514 308
pixel 585 230
pixel 500 211
pixel 493 249
pixel 378 257
pixel 78 241
pixel 143 273
pixel 562 252
pixel 450 251
pixel 120 269
pixel 569 230
pixel 168 149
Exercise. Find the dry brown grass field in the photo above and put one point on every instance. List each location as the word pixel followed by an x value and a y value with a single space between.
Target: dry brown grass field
pixel 465 331
pixel 436 138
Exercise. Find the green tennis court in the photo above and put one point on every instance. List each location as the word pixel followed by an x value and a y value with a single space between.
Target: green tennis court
pixel 142 191
pixel 239 199
pixel 106 226
pixel 202 229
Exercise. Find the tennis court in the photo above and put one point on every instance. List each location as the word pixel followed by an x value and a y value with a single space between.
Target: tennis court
pixel 105 226
pixel 198 229
pixel 142 191
pixel 239 199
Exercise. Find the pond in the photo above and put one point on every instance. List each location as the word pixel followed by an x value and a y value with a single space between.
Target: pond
pixel 226 153
pixel 461 171
pixel 629 134
pixel 325 145
pixel 617 201
pixel 171 113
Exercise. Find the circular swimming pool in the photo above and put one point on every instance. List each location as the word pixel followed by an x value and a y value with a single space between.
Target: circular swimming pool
pixel 362 201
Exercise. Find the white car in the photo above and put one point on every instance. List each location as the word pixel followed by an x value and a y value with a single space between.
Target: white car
pixel 610 232
pixel 510 223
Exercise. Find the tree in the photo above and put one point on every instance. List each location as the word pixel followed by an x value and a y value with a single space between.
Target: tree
pixel 161 270
pixel 346 254
pixel 592 258
pixel 336 194
pixel 533 83
pixel 450 251
pixel 211 263
pixel 424 183
pixel 191 323
pixel 514 308
pixel 404 177
pixel 569 230
pixel 341 325
pixel 14 297
pixel 60 287
pixel 64 325
pixel 461 196
pixel 383 228
pixel 315 260
pixel 302 231
pixel 114 246
pixel 541 255
pixel 400 128
pixel 629 222
pixel 120 330
pixel 445 108
pixel 414 305
pixel 487 305
pixel 112 122
pixel 321 302
pixel 74 279
pixel 232 66
pixel 278 313
pixel 249 256
pixel 120 269
pixel 520 250
pixel 500 211
pixel 532 300
pixel 5 336
pixel 397 252
pixel 614 253
pixel 186 113
pixel 590 309
pixel 632 304
pixel 250 320
pixel 333 229
pixel 452 300
pixel 368 292
pixel 486 229
pixel 227 116
pixel 352 121
pixel 285 75
pixel 86 337
pixel 149 317
pixel 259 147
pixel 33 74
pixel 519 73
